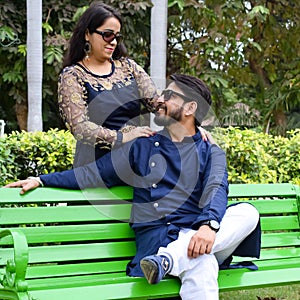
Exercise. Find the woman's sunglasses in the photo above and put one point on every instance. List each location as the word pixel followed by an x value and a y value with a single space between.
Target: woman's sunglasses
pixel 109 36
pixel 167 94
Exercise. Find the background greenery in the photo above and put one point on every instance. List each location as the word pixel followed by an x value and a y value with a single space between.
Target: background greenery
pixel 252 157
pixel 288 292
pixel 255 157
pixel 246 50
pixel 24 154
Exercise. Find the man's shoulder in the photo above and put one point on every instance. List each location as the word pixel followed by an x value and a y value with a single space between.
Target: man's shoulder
pixel 215 148
pixel 147 142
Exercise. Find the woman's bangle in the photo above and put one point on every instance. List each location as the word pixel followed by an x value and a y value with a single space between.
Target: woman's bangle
pixel 119 139
pixel 37 179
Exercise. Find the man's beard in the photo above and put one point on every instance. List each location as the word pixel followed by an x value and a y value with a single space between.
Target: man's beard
pixel 166 120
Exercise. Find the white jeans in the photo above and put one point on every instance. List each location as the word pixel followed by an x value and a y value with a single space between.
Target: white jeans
pixel 199 275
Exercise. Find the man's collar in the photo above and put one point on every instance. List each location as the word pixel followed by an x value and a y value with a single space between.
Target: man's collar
pixel 187 139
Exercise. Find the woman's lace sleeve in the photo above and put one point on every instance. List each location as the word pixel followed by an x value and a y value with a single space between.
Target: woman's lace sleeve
pixel 146 86
pixel 73 109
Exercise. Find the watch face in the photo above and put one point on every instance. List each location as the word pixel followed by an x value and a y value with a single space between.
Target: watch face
pixel 214 224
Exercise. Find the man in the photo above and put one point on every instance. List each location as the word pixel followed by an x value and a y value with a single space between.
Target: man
pixel 182 224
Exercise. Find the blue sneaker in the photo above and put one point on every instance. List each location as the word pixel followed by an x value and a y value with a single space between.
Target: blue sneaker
pixel 155 267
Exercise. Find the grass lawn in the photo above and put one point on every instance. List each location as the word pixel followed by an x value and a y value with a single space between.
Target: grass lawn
pixel 288 292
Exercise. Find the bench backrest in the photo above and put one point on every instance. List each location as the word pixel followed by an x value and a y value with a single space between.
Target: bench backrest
pixel 89 228
pixel 278 205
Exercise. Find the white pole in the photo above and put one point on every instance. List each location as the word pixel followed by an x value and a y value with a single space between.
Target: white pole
pixel 158 58
pixel 34 64
pixel 2 124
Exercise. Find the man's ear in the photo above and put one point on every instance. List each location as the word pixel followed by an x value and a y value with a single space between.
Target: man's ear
pixel 191 108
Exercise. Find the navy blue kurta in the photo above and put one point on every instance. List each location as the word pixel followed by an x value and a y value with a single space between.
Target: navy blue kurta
pixel 175 185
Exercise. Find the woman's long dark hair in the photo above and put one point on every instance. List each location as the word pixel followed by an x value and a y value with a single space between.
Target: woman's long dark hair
pixel 90 20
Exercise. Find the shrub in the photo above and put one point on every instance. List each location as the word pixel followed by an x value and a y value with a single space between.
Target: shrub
pixel 252 157
pixel 260 158
pixel 26 154
pixel 6 163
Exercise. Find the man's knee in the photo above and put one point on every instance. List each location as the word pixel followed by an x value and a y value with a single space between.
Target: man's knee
pixel 249 209
pixel 249 213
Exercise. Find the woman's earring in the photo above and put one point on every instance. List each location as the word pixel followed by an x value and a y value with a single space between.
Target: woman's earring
pixel 87 50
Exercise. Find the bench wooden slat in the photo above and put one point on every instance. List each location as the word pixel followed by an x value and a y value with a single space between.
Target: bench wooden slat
pixel 65 214
pixel 273 254
pixel 274 206
pixel 282 239
pixel 74 281
pixel 263 190
pixel 279 253
pixel 280 223
pixel 55 195
pixel 92 232
pixel 74 252
pixel 133 289
pixel 64 233
pixel 278 263
pixel 263 278
pixel 76 268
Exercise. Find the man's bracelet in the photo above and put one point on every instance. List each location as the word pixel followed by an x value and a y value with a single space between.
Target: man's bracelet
pixel 37 179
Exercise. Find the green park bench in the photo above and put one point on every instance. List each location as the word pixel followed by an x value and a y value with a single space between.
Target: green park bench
pixel 54 246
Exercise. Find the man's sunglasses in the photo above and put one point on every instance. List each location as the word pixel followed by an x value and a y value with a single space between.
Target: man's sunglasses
pixel 109 36
pixel 167 94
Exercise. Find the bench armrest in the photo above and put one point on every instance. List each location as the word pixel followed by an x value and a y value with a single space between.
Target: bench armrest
pixel 16 267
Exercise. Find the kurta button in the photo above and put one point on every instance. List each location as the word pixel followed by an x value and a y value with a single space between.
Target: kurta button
pixel 168 223
pixel 155 204
pixel 154 185
pixel 153 164
pixel 156 144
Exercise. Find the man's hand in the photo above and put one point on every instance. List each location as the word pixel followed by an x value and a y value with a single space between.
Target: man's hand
pixel 201 242
pixel 26 185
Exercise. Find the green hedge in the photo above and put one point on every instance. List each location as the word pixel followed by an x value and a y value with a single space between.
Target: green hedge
pixel 24 154
pixel 260 158
pixel 252 157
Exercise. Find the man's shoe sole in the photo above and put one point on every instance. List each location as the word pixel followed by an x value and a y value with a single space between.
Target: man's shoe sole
pixel 150 270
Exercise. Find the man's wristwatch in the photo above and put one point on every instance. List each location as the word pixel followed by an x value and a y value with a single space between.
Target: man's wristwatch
pixel 214 225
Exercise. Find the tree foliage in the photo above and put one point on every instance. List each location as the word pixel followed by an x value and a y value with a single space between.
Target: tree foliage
pixel 59 19
pixel 246 50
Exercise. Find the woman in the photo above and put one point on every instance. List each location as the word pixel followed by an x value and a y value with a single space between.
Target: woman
pixel 100 89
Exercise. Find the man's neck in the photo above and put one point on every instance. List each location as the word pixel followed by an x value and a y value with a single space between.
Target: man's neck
pixel 179 131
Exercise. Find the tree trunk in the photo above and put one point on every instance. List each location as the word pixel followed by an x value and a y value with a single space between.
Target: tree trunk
pixel 34 64
pixel 22 115
pixel 280 121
